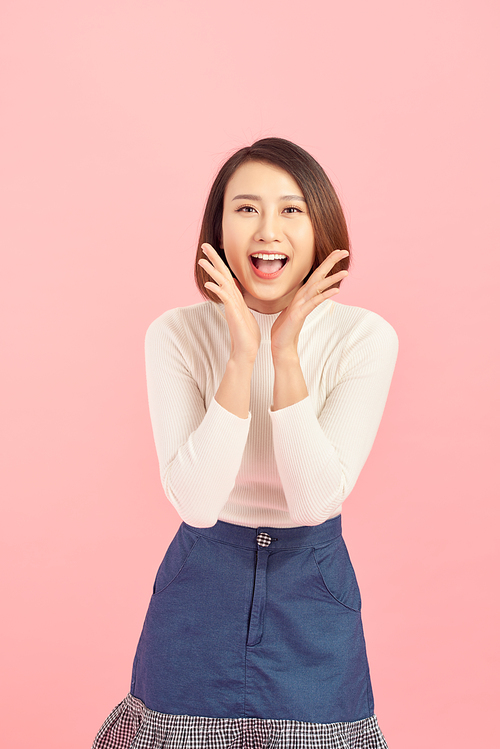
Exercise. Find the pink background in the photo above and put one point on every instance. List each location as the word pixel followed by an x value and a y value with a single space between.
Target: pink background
pixel 115 118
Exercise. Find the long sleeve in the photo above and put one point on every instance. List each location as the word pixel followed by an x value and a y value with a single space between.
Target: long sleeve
pixel 199 446
pixel 320 457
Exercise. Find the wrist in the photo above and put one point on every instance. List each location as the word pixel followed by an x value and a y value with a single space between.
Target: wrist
pixel 241 363
pixel 285 358
pixel 289 384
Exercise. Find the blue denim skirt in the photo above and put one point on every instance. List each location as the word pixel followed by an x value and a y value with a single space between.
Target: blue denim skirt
pixel 255 623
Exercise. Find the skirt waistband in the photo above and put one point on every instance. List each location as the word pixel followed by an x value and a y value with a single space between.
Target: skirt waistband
pixel 272 538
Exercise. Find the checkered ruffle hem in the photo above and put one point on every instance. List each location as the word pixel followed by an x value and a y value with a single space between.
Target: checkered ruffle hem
pixel 131 725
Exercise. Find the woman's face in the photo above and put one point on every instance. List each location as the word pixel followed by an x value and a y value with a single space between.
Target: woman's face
pixel 265 213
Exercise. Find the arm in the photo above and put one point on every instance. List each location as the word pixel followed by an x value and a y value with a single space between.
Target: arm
pixel 289 384
pixel 319 458
pixel 199 447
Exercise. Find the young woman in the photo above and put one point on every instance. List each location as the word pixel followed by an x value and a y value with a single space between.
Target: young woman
pixel 265 401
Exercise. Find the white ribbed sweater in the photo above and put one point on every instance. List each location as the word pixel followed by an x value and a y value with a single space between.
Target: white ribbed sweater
pixel 280 469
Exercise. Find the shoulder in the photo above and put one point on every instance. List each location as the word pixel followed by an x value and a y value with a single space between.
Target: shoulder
pixel 367 342
pixel 358 324
pixel 177 324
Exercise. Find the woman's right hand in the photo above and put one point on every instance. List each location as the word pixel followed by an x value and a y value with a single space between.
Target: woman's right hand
pixel 243 327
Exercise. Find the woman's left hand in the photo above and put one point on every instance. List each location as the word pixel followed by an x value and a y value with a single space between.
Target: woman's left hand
pixel 286 329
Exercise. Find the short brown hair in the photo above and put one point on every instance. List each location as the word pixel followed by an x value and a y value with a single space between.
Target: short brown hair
pixel 327 217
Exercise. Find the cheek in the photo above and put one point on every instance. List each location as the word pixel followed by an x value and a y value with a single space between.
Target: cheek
pixel 234 243
pixel 227 234
pixel 308 254
pixel 304 237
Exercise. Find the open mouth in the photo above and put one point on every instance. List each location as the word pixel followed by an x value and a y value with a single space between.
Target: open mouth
pixel 268 265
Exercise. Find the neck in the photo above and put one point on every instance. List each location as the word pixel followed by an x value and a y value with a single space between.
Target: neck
pixel 268 306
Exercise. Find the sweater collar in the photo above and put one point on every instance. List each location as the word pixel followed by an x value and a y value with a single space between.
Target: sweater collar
pixel 266 321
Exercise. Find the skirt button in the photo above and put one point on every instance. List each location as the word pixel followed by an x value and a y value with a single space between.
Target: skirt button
pixel 264 539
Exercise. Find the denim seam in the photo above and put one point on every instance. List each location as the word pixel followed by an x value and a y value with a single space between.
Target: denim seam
pixel 159 592
pixel 341 603
pixel 252 548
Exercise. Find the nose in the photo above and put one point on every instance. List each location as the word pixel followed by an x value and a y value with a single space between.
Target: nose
pixel 269 229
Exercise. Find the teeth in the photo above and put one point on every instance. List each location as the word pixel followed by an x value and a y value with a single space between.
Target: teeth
pixel 269 257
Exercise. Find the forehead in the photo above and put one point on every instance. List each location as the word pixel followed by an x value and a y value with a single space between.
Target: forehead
pixel 267 180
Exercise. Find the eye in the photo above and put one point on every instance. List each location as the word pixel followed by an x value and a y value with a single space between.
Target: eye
pixel 248 208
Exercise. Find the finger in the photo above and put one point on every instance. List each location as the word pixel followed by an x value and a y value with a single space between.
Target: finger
pixel 230 301
pixel 321 272
pixel 309 304
pixel 324 283
pixel 318 292
pixel 215 258
pixel 333 258
pixel 219 290
pixel 216 274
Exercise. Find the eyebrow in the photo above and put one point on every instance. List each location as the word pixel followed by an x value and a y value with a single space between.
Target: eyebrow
pixel 257 197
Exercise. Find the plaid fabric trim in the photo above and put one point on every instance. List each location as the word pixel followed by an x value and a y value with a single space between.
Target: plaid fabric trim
pixel 131 725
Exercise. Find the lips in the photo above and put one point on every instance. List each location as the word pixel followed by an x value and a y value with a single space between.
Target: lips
pixel 274 262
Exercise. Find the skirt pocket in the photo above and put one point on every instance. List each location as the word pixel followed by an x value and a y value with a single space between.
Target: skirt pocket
pixel 175 559
pixel 337 573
